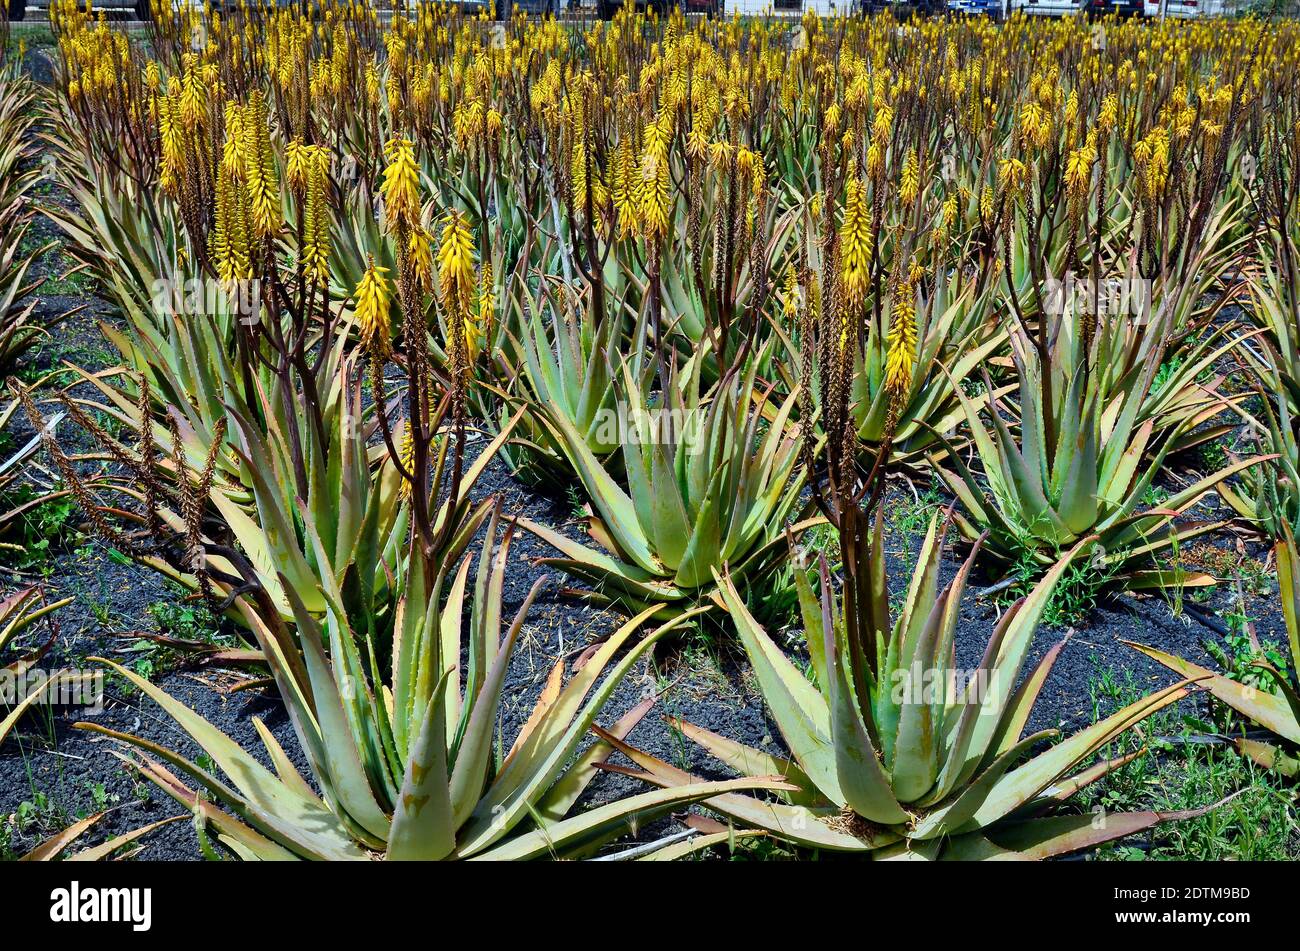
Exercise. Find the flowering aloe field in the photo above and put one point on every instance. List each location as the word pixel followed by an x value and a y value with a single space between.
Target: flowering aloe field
pixel 664 437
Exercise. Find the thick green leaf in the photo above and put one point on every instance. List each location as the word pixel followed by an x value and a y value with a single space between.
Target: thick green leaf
pixel 424 827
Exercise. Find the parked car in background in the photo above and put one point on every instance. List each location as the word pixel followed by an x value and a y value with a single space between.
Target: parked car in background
pixel 989 8
pixel 20 10
pixel 1049 8
pixel 901 8
pixel 607 8
pixel 1124 8
pixel 1186 9
pixel 1128 8
pixel 532 7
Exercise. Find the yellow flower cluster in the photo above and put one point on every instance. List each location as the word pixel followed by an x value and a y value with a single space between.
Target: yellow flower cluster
pixel 901 341
pixel 372 302
pixel 401 187
pixel 855 242
pixel 752 167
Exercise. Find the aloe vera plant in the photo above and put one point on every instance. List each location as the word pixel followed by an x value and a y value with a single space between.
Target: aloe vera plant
pixel 53 848
pixel 401 738
pixel 21 328
pixel 711 480
pixel 14 465
pixel 18 613
pixel 1269 496
pixel 1085 456
pixel 346 565
pixel 1276 709
pixel 897 753
pixel 566 362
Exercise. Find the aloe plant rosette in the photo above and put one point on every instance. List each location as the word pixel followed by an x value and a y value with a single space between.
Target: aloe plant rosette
pixel 1276 710
pixel 1081 464
pixel 896 752
pixel 406 760
pixel 710 481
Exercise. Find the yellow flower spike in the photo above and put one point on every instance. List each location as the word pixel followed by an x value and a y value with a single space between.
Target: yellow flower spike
pixel 625 181
pixel 579 162
pixel 910 180
pixel 172 141
pixel 986 207
pixel 259 166
pixel 883 124
pixel 876 159
pixel 456 264
pixel 224 245
pixel 477 323
pixel 901 340
pixel 372 301
pixel 406 455
pixel 744 160
pixel 950 211
pixel 1036 127
pixel 1012 174
pixel 790 294
pixel 194 95
pixel 1078 168
pixel 656 192
pixel 401 186
pixel 1109 114
pixel 316 235
pixel 486 294
pixel 697 142
pixel 855 241
pixel 720 154
pixel 420 255
pixel 296 160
